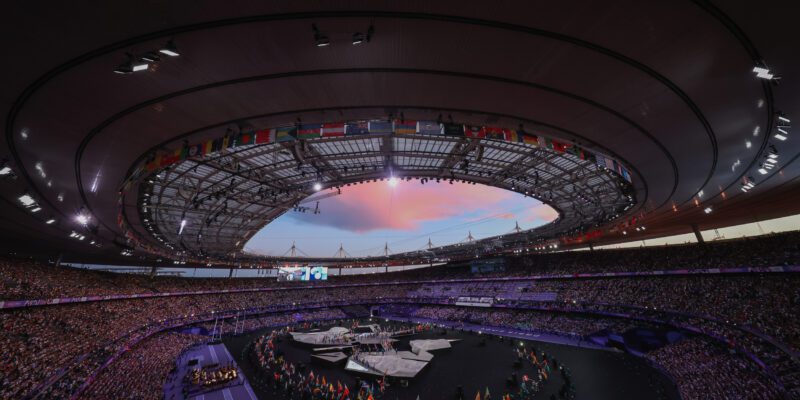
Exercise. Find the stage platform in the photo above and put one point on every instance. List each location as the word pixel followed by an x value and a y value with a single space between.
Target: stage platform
pixel 206 355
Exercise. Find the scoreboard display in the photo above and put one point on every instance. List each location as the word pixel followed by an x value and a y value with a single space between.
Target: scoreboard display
pixel 289 274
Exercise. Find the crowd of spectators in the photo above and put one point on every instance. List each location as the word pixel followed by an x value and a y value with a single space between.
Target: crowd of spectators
pixel 140 373
pixel 703 370
pixel 749 310
pixel 25 280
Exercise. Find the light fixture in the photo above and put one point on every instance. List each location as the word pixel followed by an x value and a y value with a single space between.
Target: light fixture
pixel 358 38
pixel 50 221
pixel 82 219
pixel 762 171
pixel 317 187
pixel 393 181
pixel 36 209
pixel 5 170
pixel 708 210
pixel 169 49
pixel 183 225
pixel 763 73
pixel 26 200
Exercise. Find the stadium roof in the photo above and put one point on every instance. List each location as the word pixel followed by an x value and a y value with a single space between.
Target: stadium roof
pixel 688 101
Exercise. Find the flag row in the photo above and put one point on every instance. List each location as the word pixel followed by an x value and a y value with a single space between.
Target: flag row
pixel 379 127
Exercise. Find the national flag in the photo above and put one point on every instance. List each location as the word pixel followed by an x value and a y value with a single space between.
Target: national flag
pixel 532 140
pixel 478 395
pixel 285 134
pixel 208 147
pixel 195 151
pixel 494 132
pixel 510 135
pixel 453 129
pixel 487 396
pixel 558 146
pixel 405 127
pixel 625 174
pixel 154 164
pixel 429 128
pixel 309 131
pixel 380 127
pixel 172 158
pixel 356 128
pixel 474 131
pixel 333 129
pixel 265 136
pixel 245 139
pixel 610 164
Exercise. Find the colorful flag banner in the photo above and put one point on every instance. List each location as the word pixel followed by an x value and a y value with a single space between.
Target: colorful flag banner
pixel 473 131
pixel 309 131
pixel 334 129
pixel 378 127
pixel 356 128
pixel 405 127
pixel 453 129
pixel 265 136
pixel 429 128
pixel 285 134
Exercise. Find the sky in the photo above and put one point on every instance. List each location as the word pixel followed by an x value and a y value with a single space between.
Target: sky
pixel 367 216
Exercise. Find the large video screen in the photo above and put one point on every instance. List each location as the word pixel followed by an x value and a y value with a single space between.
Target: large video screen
pixel 288 274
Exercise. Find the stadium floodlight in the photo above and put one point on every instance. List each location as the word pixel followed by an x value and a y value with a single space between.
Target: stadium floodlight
pixel 5 170
pixel 320 39
pixel 170 49
pixel 393 181
pixel 50 221
pixel 183 225
pixel 82 219
pixel 358 38
pixel 708 210
pixel 762 171
pixel 783 118
pixel 26 200
pixel 317 187
pixel 763 73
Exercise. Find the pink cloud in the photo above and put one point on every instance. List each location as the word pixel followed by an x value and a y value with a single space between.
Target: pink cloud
pixel 375 206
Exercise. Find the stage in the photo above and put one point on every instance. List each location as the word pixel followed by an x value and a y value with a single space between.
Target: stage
pixel 207 356
pixel 476 361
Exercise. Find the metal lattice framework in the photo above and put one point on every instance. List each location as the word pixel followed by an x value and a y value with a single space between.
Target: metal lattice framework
pixel 211 206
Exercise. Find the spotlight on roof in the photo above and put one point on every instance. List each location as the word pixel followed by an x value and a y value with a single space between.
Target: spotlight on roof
pixel 50 221
pixel 317 187
pixel 169 49
pixel 5 170
pixel 708 210
pixel 26 200
pixel 764 73
pixel 762 171
pixel 183 225
pixel 82 218
pixel 358 38
pixel 320 39
pixel 393 181
pixel 131 66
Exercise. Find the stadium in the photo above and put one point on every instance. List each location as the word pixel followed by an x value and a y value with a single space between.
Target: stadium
pixel 364 200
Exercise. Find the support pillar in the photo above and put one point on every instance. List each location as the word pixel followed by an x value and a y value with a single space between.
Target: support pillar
pixel 697 234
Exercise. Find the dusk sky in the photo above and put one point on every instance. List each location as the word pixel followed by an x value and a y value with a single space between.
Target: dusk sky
pixel 366 216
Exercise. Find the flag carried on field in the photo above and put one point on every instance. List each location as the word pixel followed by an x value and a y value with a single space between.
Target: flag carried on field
pixel 285 134
pixel 474 131
pixel 478 395
pixel 265 136
pixel 356 128
pixel 309 131
pixel 453 129
pixel 429 128
pixel 380 127
pixel 333 129
pixel 487 396
pixel 405 127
